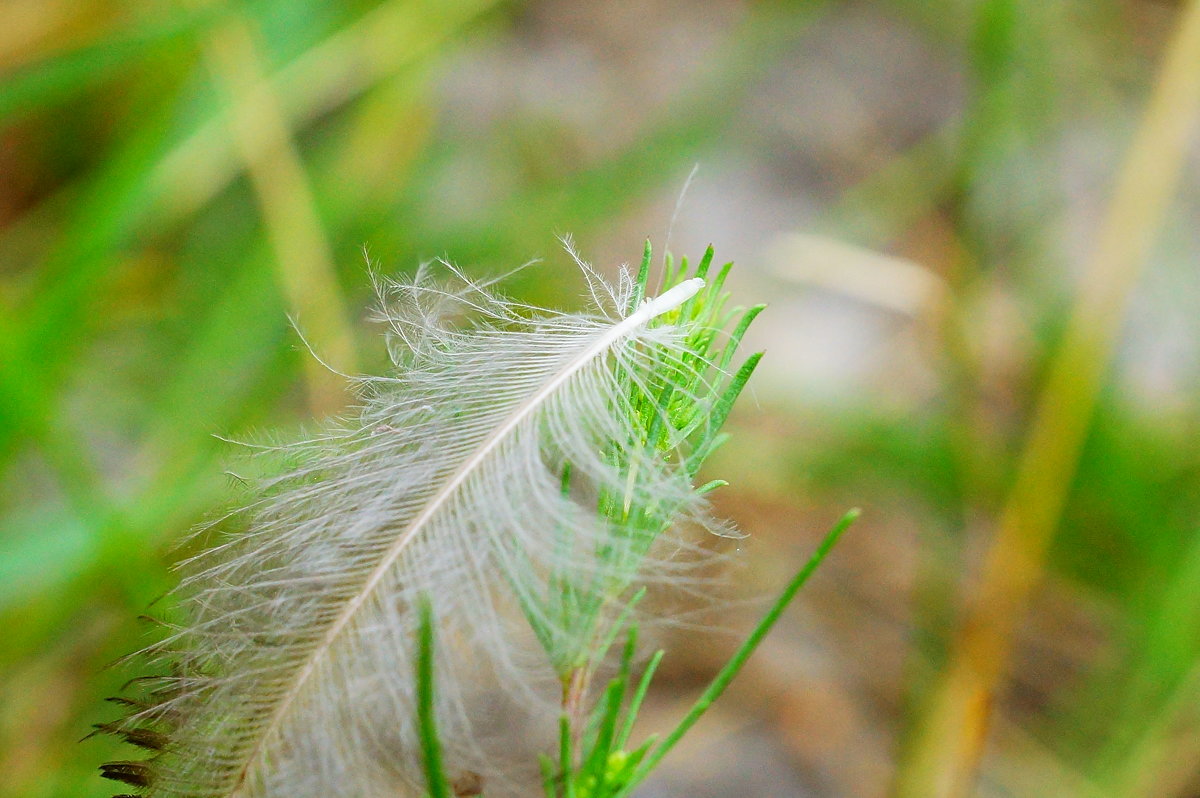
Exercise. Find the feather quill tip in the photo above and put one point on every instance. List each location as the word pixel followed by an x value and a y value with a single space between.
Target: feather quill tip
pixel 671 299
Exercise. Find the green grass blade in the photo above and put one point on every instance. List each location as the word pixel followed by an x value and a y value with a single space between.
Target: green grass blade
pixel 643 277
pixel 739 332
pixel 639 695
pixel 431 747
pixel 738 660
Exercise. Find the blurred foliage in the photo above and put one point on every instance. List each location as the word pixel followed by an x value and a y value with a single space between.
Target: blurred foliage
pixel 179 179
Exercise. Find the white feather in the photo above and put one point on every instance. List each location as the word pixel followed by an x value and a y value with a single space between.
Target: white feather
pixel 294 675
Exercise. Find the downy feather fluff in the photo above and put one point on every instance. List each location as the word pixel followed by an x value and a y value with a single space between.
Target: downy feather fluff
pixel 502 474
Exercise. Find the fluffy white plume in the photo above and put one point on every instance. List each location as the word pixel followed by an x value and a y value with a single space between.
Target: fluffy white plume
pixel 499 474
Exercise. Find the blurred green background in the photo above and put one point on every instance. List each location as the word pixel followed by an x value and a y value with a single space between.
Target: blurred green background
pixel 975 221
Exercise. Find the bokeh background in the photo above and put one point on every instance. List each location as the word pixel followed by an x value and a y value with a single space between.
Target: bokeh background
pixel 975 222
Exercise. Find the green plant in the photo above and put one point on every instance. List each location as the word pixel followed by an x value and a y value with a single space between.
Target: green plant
pixel 601 764
pixel 596 756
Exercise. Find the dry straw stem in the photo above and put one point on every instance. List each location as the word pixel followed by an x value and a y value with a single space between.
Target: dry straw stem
pixel 951 735
pixel 302 251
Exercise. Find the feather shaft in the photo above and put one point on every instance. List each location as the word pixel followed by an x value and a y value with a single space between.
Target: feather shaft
pixel 646 312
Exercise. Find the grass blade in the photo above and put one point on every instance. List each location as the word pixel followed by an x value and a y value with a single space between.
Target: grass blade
pixel 738 660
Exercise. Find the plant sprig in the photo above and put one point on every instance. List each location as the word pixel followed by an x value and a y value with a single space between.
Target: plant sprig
pixel 608 769
pixel 677 411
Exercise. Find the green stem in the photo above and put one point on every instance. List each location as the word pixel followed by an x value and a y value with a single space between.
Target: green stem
pixel 431 748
